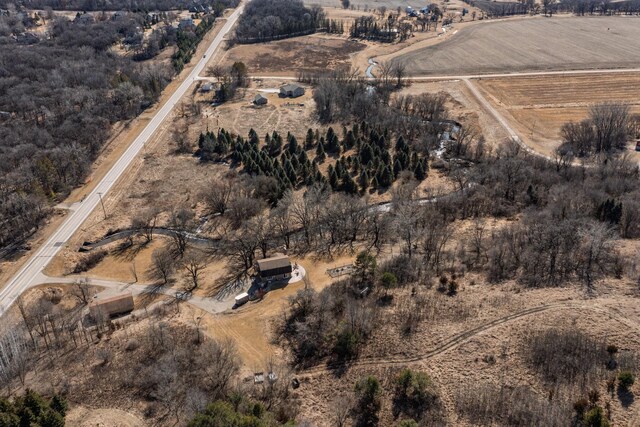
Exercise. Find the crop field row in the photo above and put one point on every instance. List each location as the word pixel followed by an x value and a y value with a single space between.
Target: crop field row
pixel 529 44
pixel 537 107
pixel 556 90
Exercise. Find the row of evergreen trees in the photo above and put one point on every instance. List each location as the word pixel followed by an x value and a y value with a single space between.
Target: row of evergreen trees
pixel 366 159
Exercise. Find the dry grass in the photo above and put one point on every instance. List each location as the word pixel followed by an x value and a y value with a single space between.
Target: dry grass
pixel 533 44
pixel 80 416
pixel 538 106
pixel 314 53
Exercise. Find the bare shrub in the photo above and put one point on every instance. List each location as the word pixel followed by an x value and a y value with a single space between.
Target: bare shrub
pixel 566 356
pixel 132 345
pixel 488 404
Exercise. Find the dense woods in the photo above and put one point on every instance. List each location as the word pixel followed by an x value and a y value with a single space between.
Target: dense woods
pixel 59 98
pixel 265 20
pixel 119 5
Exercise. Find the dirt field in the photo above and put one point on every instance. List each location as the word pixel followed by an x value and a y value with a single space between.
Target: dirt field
pixel 533 44
pixel 317 52
pixel 538 106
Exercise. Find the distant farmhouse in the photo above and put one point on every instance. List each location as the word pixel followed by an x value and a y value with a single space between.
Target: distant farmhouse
pixel 291 91
pixel 260 99
pixel 277 267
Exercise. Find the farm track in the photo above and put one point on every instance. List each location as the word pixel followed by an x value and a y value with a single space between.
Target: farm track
pixel 454 341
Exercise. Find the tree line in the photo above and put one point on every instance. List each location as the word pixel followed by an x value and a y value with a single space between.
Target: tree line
pixel 264 20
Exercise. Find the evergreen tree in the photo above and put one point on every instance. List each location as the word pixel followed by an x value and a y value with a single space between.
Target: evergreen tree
pixel 309 141
pixel 348 185
pixel 333 178
pixel 419 171
pixel 332 142
pixel 253 138
pixel 385 178
pixel 397 168
pixel 320 154
pixel 302 157
pixel 291 172
pixel 365 154
pixel 349 141
pixel 293 147
pixel 364 180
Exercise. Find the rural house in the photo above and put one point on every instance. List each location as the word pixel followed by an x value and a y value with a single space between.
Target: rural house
pixel 277 267
pixel 187 24
pixel 207 87
pixel 291 91
pixel 112 306
pixel 260 99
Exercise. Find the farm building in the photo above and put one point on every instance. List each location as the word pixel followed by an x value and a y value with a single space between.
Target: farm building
pixel 112 306
pixel 277 267
pixel 291 91
pixel 260 99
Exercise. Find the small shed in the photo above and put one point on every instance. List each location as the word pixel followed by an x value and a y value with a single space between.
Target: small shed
pixel 112 306
pixel 291 91
pixel 260 99
pixel 207 87
pixel 277 267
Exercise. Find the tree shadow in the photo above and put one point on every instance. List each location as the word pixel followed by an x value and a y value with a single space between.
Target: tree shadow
pixel 228 285
pixel 625 397
pixel 128 249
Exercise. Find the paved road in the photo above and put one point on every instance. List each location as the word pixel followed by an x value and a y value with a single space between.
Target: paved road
pixel 30 273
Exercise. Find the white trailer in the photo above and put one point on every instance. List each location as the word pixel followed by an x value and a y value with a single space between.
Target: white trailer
pixel 242 298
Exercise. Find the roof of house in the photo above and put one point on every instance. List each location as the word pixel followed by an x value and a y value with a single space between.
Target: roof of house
pixel 259 96
pixel 277 261
pixel 290 87
pixel 119 297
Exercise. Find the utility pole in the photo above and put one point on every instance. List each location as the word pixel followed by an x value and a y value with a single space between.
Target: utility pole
pixel 103 209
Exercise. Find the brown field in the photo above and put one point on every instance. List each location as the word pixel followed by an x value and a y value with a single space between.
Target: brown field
pixel 316 52
pixel 563 43
pixel 538 106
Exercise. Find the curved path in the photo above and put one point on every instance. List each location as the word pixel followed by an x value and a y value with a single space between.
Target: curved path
pixel 458 339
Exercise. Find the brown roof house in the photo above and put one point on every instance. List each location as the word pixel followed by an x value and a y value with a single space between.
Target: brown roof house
pixel 112 306
pixel 278 267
